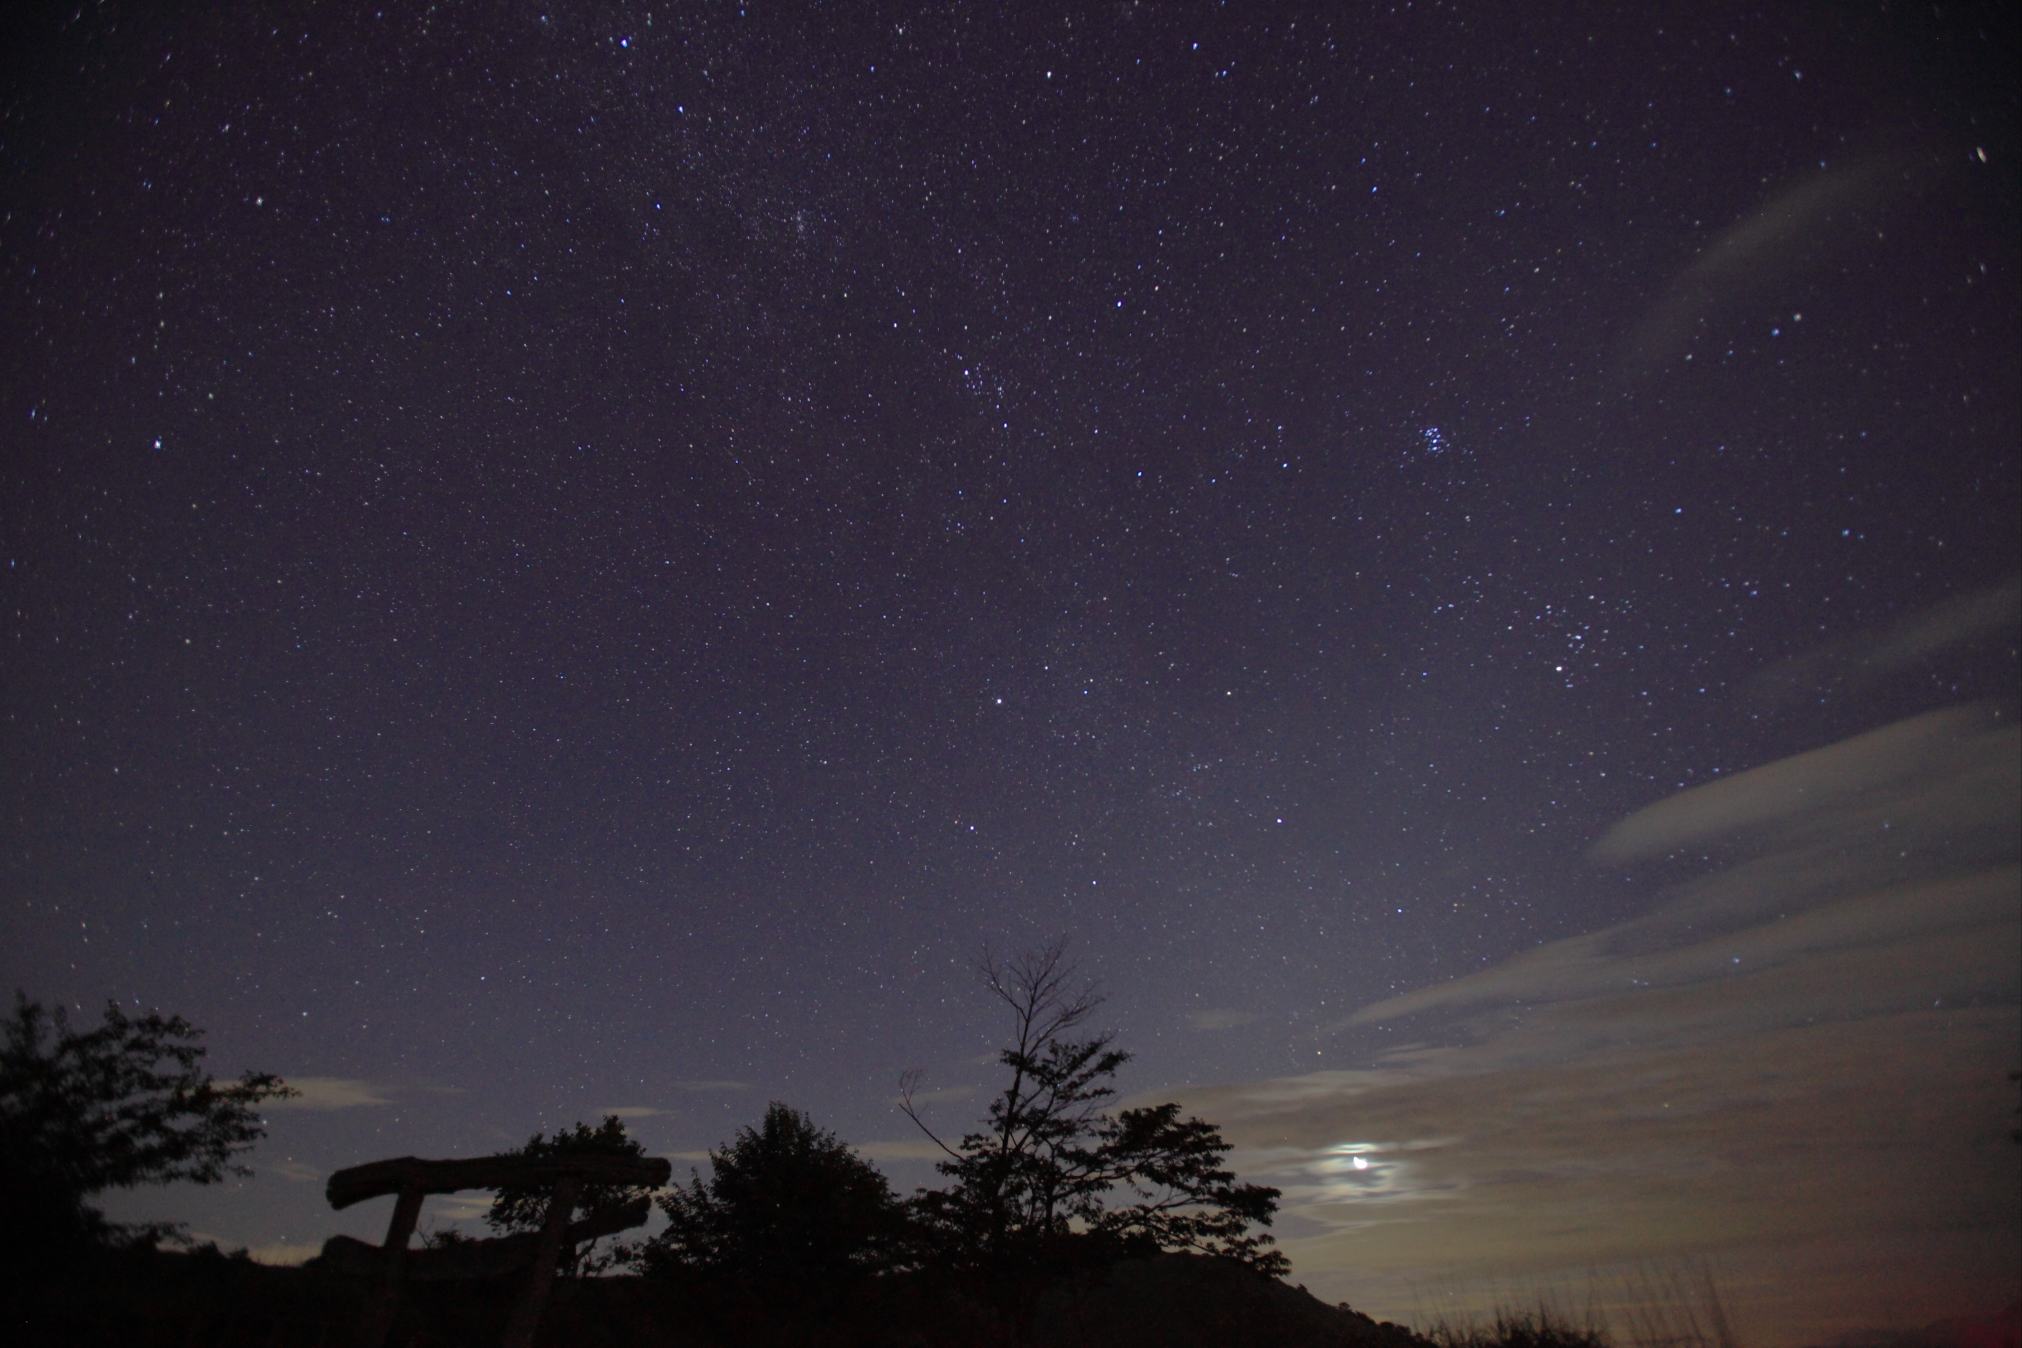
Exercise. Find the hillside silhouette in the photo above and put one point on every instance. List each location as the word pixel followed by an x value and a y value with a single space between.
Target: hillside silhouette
pixel 141 1299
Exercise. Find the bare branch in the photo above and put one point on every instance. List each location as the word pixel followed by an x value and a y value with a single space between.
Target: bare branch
pixel 908 1084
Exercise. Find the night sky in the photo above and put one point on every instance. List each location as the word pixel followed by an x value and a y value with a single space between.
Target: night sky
pixel 1466 556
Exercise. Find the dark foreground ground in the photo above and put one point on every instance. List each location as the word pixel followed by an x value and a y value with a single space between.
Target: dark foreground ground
pixel 169 1300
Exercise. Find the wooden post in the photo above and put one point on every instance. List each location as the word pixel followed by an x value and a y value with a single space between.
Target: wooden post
pixel 527 1315
pixel 378 1316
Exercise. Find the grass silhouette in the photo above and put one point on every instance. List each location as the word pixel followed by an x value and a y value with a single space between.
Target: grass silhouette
pixel 1652 1308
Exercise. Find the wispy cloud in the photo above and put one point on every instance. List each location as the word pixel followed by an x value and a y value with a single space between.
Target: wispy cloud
pixel 1915 775
pixel 1809 218
pixel 465 1206
pixel 1219 1018
pixel 1903 830
pixel 333 1093
pixel 295 1172
pixel 899 1149
pixel 1993 612
pixel 1795 1061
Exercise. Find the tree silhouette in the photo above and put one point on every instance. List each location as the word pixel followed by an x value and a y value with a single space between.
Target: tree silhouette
pixel 786 1205
pixel 1181 1195
pixel 1048 1163
pixel 1029 1168
pixel 116 1107
pixel 517 1209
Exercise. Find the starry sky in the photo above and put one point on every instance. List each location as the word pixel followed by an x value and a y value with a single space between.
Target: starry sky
pixel 582 560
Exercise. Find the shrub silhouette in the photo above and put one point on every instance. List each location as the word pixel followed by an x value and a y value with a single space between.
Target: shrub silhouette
pixel 516 1210
pixel 786 1205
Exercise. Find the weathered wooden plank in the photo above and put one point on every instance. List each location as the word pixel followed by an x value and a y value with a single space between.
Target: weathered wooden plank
pixel 475 1258
pixel 403 1173
pixel 526 1316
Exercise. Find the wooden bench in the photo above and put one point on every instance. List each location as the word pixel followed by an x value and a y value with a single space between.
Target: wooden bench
pixel 413 1179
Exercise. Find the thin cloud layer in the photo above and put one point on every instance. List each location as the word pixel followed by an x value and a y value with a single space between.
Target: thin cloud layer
pixel 1812 217
pixel 282 1254
pixel 1922 771
pixel 1795 1061
pixel 1219 1019
pixel 1993 612
pixel 899 1149
pixel 324 1093
pixel 1883 833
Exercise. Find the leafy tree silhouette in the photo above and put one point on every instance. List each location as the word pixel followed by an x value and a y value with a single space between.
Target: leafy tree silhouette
pixel 786 1205
pixel 517 1209
pixel 116 1107
pixel 1050 1164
